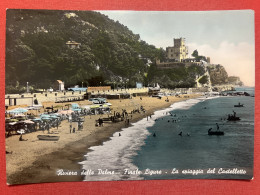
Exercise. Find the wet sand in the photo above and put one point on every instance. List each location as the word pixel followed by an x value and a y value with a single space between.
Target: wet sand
pixel 35 161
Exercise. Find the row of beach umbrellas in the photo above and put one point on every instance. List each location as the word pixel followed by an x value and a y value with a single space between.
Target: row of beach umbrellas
pixel 17 111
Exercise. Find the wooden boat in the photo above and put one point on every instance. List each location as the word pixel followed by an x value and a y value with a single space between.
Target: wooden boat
pixel 48 137
pixel 233 118
pixel 215 133
pixel 239 105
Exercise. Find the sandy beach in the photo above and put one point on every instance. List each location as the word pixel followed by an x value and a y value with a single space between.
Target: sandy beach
pixel 35 161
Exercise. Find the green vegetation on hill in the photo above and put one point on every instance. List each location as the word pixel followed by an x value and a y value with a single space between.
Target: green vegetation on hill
pixel 181 77
pixel 36 50
pixel 196 55
pixel 110 53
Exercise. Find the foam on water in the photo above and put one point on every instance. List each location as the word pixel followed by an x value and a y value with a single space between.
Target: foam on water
pixel 117 153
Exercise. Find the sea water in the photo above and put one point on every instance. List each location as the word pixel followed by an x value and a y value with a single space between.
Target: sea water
pixel 153 149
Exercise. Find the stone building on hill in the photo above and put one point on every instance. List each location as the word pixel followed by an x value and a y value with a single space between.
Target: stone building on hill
pixel 177 56
pixel 178 52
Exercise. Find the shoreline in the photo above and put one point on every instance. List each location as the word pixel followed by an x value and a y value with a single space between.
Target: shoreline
pixel 71 152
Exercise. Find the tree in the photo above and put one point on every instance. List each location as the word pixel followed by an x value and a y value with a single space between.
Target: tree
pixel 195 53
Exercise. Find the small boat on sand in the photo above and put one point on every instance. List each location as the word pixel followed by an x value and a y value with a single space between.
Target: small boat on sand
pixel 48 137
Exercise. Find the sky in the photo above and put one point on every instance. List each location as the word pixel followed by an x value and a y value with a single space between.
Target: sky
pixel 227 37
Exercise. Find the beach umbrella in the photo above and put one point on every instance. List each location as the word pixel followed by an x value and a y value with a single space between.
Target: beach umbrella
pixel 18 110
pixel 19 115
pixel 12 111
pixel 21 131
pixel 46 119
pixel 30 108
pixel 12 123
pixel 95 106
pixel 45 116
pixel 54 116
pixel 87 107
pixel 36 119
pixel 13 120
pixel 28 122
pixel 66 111
pixel 74 105
pixel 76 109
pixel 57 114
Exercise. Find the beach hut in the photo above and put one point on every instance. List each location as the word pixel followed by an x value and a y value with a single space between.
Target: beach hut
pixel 58 85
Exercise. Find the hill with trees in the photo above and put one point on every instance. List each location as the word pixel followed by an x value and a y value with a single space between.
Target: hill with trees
pixel 36 50
pixel 109 53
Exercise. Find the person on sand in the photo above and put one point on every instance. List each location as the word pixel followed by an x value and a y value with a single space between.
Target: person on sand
pixel 119 134
pixel 35 101
pixel 48 128
pixel 100 122
pixel 70 127
pixel 21 138
pixel 74 130
pixel 7 152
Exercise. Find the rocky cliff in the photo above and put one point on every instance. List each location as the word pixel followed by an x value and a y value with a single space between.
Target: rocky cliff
pixel 234 80
pixel 219 76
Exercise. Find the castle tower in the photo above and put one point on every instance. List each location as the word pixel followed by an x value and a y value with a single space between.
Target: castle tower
pixel 179 51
